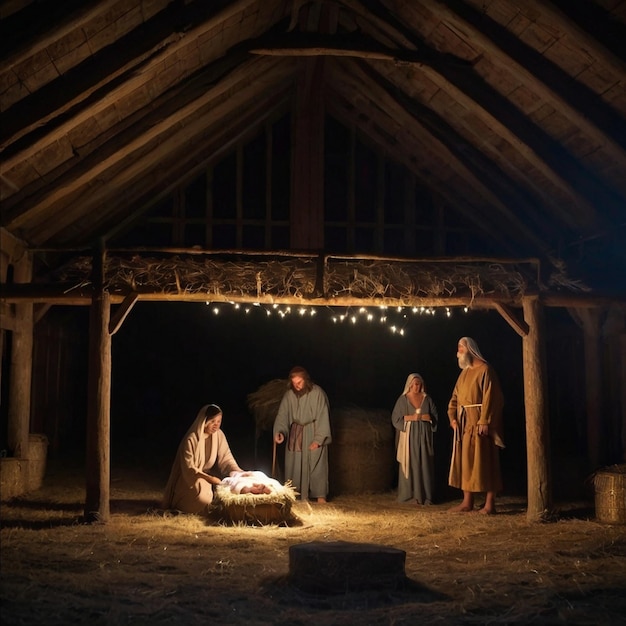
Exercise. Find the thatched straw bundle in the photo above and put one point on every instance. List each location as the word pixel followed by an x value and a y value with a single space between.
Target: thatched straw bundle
pixel 610 494
pixel 362 454
pixel 264 403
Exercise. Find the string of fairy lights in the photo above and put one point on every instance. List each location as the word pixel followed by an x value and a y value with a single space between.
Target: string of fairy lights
pixel 393 319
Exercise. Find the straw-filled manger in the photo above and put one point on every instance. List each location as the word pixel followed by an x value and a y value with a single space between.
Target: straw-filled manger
pixel 256 509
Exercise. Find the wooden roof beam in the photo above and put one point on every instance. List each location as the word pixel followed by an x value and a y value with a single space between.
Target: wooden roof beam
pixel 533 143
pixel 189 117
pixel 72 295
pixel 511 54
pixel 362 80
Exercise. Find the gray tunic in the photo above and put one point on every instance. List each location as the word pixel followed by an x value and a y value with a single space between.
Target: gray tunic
pixel 306 469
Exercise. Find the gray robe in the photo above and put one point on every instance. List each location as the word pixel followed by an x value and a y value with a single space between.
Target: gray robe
pixel 306 469
pixel 420 483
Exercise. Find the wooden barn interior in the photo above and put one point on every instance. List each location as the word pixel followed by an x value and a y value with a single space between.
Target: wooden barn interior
pixel 462 157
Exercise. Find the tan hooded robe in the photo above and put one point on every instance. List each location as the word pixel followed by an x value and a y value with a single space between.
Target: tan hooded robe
pixel 188 489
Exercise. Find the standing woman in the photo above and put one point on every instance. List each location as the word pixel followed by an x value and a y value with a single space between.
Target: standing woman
pixel 414 417
pixel 202 460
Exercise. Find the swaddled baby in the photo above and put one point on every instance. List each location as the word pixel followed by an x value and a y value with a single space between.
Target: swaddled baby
pixel 255 482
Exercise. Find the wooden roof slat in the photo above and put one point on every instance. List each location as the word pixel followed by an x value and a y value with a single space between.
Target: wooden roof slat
pixel 101 183
pixel 510 65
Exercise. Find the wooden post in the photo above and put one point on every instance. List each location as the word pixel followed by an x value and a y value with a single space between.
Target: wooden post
pixel 307 197
pixel 537 424
pixel 621 368
pixel 589 321
pixel 97 462
pixel 21 366
pixel 614 349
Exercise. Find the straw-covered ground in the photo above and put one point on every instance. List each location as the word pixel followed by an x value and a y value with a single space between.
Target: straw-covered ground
pixel 145 566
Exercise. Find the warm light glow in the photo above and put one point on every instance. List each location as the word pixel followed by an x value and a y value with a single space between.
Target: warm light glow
pixel 395 319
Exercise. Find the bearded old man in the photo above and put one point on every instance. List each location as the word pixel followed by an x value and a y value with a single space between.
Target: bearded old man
pixel 475 414
pixel 303 420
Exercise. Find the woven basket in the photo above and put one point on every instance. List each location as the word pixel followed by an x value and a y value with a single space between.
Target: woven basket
pixel 610 494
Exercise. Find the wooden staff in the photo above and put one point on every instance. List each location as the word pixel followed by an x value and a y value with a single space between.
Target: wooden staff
pixel 274 460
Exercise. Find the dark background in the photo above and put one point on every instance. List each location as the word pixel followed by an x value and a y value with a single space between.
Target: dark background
pixel 169 359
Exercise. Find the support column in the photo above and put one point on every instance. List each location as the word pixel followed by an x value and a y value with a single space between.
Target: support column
pixel 537 423
pixel 307 197
pixel 97 462
pixel 590 321
pixel 21 366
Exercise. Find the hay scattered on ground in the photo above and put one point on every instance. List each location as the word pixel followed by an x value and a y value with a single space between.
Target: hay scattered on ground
pixel 147 567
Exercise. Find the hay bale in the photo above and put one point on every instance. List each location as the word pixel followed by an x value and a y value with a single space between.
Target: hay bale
pixel 362 454
pixel 13 475
pixel 37 456
pixel 264 402
pixel 610 494
pixel 341 566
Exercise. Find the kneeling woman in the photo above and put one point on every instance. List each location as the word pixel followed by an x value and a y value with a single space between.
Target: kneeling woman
pixel 202 460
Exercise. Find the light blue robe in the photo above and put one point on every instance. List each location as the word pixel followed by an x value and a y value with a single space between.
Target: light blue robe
pixel 420 483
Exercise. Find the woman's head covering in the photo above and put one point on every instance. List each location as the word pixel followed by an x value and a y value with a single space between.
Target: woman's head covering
pixel 472 346
pixel 206 413
pixel 409 380
pixel 196 433
pixel 211 411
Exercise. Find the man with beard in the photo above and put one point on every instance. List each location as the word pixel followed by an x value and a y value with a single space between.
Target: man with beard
pixel 475 414
pixel 303 419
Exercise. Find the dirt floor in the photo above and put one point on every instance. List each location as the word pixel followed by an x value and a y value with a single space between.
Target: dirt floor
pixel 149 567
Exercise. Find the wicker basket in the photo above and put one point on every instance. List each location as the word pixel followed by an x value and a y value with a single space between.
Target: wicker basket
pixel 610 494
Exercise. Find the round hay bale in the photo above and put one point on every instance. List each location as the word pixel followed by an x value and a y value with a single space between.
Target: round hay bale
pixel 362 453
pixel 340 567
pixel 610 494
pixel 264 402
